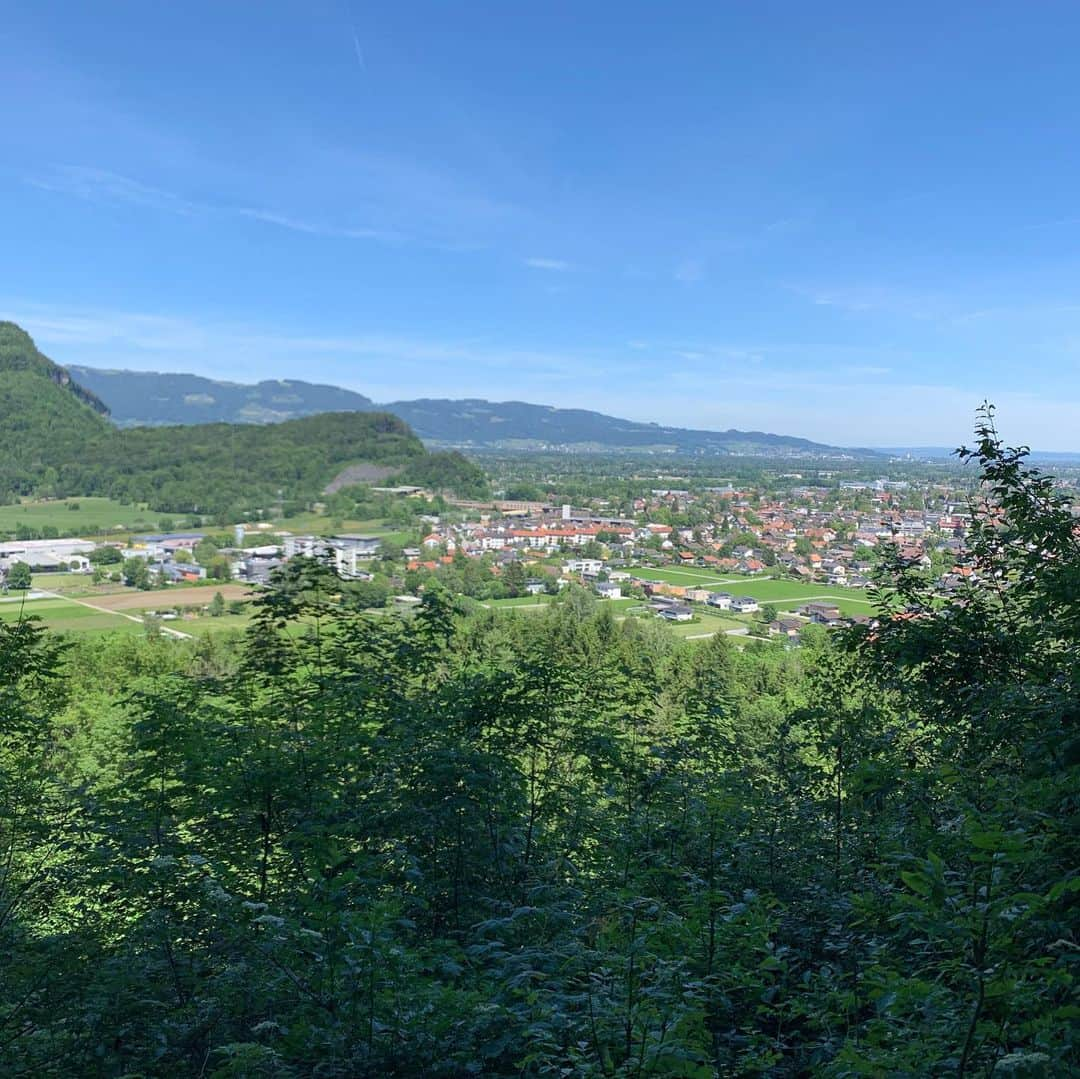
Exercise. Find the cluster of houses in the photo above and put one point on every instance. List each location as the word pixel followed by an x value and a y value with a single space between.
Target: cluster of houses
pixel 816 534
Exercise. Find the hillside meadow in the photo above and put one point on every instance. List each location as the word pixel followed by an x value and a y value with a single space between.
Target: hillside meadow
pixel 85 516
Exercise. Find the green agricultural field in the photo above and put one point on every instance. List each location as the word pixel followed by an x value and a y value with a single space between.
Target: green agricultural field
pixel 89 516
pixel 62 616
pixel 782 593
pixel 787 595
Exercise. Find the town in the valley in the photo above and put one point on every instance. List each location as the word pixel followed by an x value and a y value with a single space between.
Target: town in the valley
pixel 753 561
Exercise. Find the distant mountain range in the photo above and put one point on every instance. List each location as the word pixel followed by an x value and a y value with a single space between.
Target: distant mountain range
pixel 143 399
pixel 139 398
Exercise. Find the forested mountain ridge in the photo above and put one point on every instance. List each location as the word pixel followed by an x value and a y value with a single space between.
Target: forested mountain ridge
pixel 54 441
pixel 150 398
pixel 509 424
pixel 450 845
pixel 138 397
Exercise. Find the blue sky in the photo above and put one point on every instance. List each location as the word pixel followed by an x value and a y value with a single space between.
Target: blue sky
pixel 850 222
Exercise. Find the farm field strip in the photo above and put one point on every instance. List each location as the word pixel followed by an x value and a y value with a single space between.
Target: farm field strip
pixel 120 614
pixel 63 615
pixel 177 596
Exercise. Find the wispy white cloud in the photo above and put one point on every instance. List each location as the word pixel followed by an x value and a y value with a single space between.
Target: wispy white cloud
pixel 313 228
pixel 102 185
pixel 95 184
pixel 555 265
pixel 865 298
pixel 372 362
pixel 991 309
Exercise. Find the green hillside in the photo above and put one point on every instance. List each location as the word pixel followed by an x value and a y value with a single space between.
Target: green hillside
pixel 54 440
pixel 46 419
pixel 19 353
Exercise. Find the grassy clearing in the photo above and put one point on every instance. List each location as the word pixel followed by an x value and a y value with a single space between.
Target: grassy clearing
pixel 82 515
pixel 787 595
pixel 703 625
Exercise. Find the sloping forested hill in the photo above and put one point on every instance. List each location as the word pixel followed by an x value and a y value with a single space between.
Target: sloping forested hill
pixel 18 353
pixel 55 440
pixel 207 467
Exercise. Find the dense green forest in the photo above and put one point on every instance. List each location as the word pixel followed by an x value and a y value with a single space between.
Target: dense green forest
pixel 356 845
pixel 53 443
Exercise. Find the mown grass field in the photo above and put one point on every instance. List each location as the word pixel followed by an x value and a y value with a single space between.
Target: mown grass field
pixel 91 516
pixel 63 616
pixel 66 614
pixel 787 595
